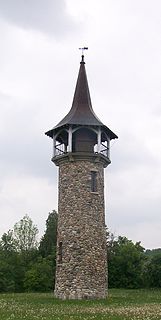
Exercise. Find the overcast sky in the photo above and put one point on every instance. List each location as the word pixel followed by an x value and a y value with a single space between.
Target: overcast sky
pixel 39 63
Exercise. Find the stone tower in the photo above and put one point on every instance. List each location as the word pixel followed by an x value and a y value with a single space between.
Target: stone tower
pixel 81 145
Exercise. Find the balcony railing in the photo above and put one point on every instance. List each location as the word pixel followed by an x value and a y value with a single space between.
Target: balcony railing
pixel 61 149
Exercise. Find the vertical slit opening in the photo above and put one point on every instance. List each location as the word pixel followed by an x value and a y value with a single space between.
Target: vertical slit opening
pixel 93 181
pixel 60 251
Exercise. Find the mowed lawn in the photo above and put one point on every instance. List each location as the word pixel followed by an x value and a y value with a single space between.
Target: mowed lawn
pixel 121 304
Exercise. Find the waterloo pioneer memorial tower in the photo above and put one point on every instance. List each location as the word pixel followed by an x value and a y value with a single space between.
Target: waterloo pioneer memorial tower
pixel 81 148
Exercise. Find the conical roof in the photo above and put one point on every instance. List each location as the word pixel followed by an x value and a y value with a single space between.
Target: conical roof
pixel 81 112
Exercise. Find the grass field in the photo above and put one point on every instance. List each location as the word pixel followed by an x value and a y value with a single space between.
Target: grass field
pixel 121 304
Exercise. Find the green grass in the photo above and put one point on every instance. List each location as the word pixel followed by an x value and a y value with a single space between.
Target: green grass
pixel 120 305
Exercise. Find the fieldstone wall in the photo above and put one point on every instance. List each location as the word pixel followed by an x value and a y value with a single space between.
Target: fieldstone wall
pixel 81 270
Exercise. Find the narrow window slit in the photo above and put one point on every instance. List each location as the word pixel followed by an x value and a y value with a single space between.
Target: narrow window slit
pixel 60 251
pixel 93 181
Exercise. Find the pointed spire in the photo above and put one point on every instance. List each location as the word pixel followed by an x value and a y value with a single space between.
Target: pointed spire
pixel 82 100
pixel 81 111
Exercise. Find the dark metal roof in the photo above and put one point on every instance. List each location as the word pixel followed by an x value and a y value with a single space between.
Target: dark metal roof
pixel 81 112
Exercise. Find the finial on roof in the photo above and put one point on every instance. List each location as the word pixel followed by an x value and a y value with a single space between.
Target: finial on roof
pixel 84 48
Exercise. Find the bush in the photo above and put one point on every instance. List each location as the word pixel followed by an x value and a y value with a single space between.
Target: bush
pixel 39 277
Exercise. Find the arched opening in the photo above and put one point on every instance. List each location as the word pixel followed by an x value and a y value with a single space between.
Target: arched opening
pixel 60 142
pixel 83 140
pixel 105 145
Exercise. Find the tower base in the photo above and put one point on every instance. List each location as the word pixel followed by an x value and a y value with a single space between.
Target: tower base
pixel 81 295
pixel 81 267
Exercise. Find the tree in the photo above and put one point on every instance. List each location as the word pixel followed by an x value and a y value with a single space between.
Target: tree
pixel 18 249
pixel 126 264
pixel 47 247
pixel 152 252
pixel 8 243
pixel 48 241
pixel 25 234
pixel 153 271
pixel 39 277
pixel 7 282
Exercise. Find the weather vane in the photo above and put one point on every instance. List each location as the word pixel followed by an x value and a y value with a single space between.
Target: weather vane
pixel 84 48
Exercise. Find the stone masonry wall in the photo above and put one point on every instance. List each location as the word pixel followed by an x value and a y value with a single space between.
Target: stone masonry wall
pixel 81 271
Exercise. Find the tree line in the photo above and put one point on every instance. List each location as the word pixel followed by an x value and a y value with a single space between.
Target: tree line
pixel 29 265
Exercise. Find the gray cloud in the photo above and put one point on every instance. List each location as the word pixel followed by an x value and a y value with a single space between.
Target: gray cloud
pixel 130 152
pixel 45 16
pixel 37 81
pixel 24 148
